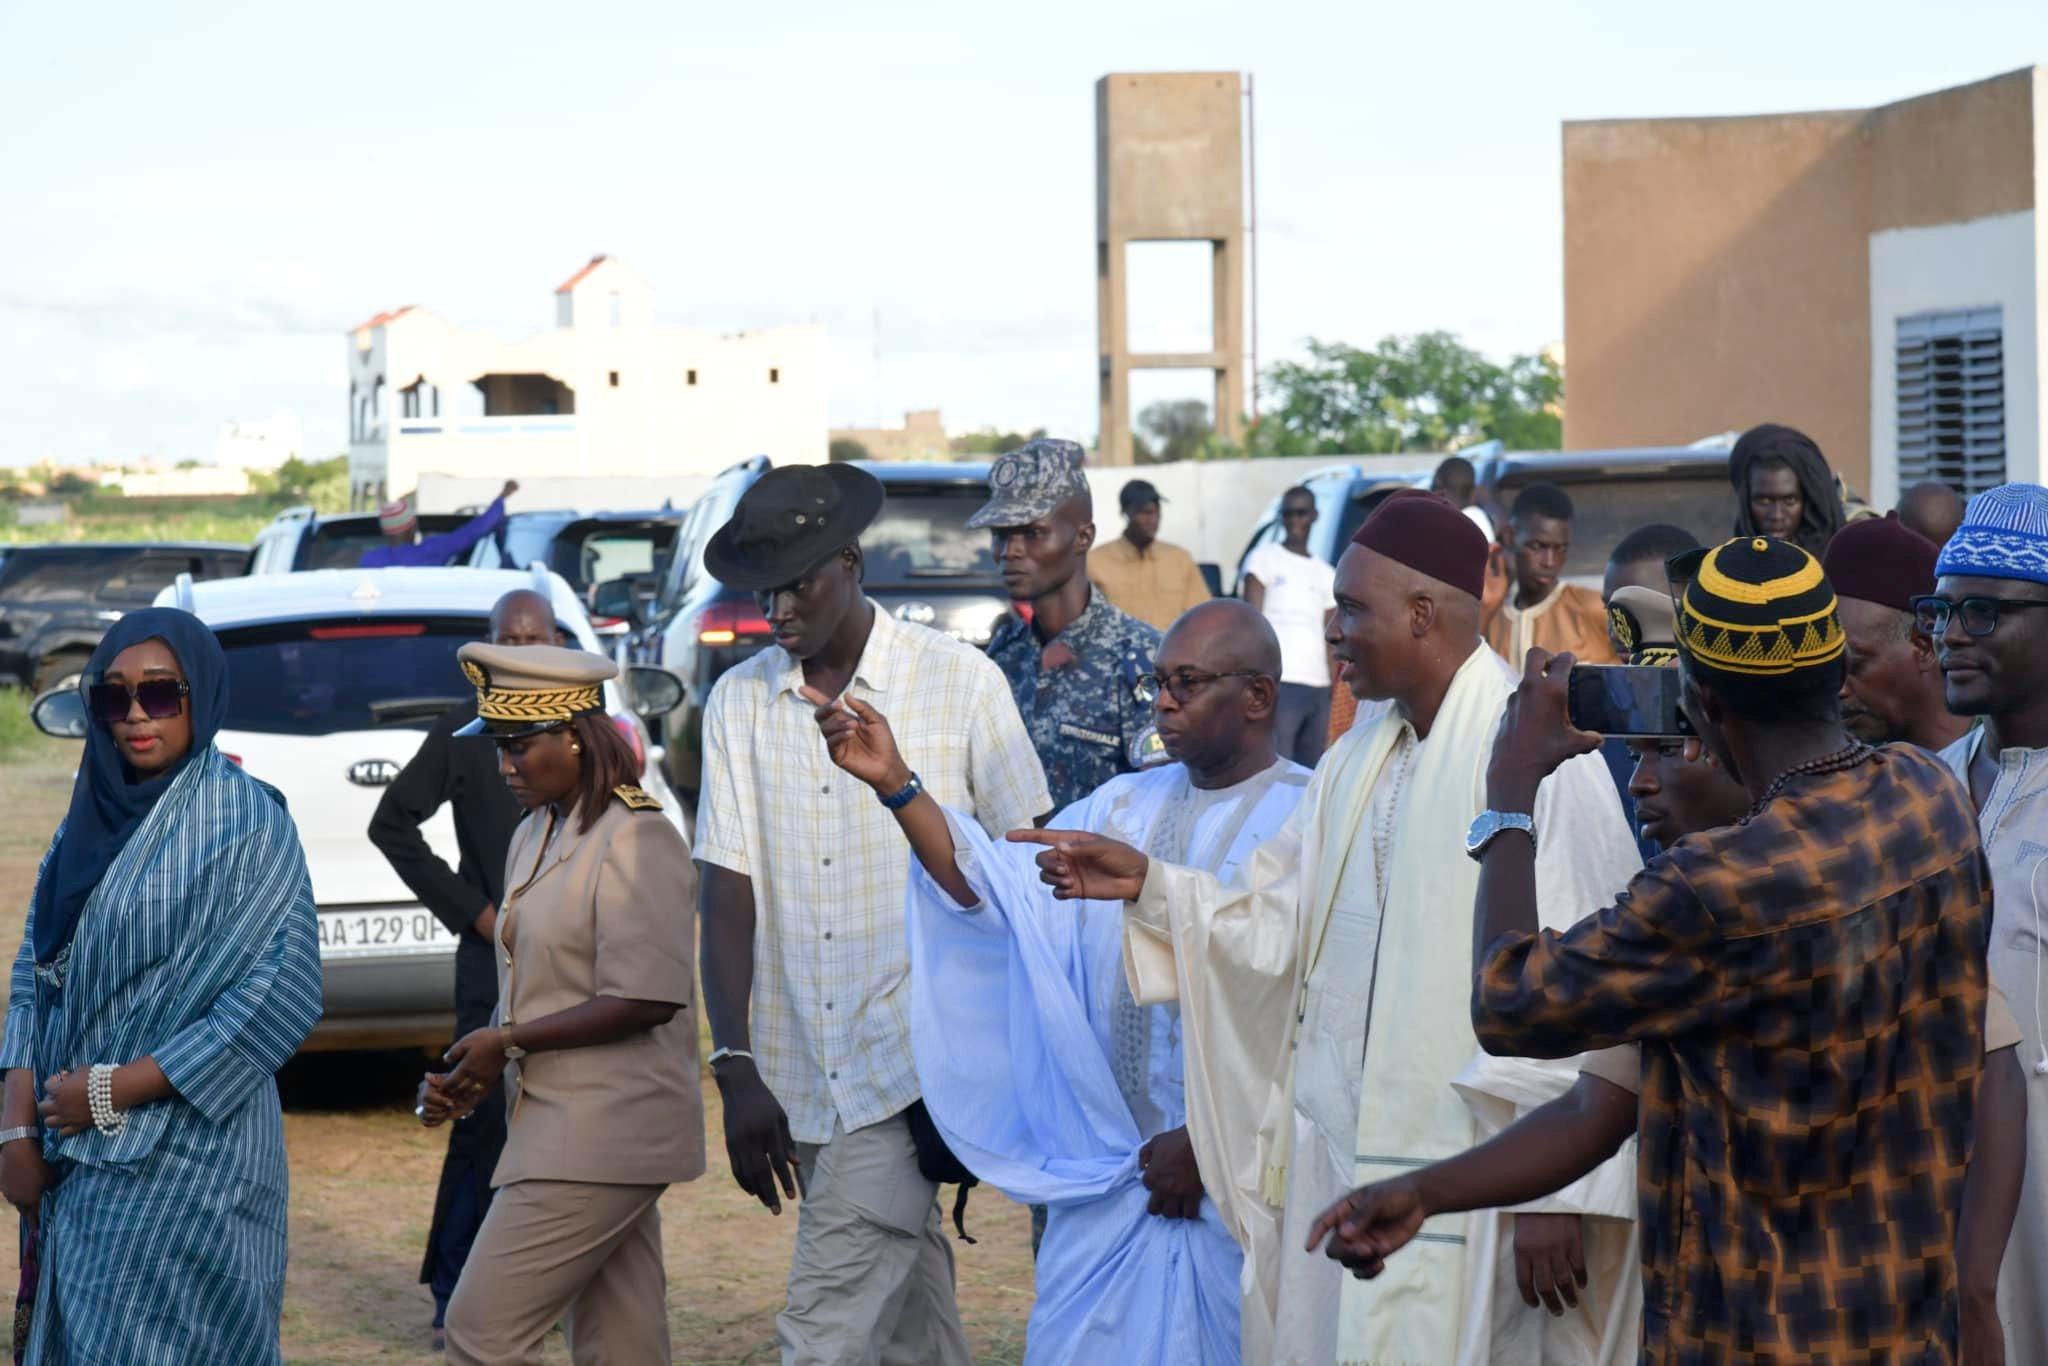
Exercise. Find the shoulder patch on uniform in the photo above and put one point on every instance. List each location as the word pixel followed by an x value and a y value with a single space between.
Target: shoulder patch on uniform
pixel 635 799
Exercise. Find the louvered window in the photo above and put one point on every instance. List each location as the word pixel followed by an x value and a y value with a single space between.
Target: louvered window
pixel 1951 395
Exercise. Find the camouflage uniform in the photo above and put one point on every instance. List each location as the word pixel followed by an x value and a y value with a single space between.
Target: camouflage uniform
pixel 1076 694
pixel 1076 691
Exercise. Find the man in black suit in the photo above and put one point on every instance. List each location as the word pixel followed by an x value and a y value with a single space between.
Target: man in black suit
pixel 462 772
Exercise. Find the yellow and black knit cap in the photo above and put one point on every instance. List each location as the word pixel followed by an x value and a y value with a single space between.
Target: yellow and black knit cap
pixel 1756 606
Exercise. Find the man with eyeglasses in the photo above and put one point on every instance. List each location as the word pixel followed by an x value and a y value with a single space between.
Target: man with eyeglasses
pixel 1892 689
pixel 1042 1072
pixel 1991 636
pixel 1295 588
pixel 806 968
pixel 1324 998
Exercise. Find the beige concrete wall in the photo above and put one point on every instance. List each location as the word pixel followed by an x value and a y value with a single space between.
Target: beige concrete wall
pixel 921 437
pixel 1715 277
pixel 1717 271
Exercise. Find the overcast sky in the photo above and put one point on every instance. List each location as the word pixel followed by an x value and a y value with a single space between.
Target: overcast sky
pixel 200 198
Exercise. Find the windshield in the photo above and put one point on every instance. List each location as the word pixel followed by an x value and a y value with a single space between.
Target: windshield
pixel 602 554
pixel 1606 510
pixel 346 673
pixel 923 535
pixel 69 576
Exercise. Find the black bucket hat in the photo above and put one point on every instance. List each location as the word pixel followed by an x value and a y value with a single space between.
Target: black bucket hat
pixel 793 519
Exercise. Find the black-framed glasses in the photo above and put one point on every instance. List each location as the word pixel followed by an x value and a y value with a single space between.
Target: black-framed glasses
pixel 160 698
pixel 1980 615
pixel 1182 683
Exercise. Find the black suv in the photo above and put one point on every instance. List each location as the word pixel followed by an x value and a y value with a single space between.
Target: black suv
pixel 56 601
pixel 923 565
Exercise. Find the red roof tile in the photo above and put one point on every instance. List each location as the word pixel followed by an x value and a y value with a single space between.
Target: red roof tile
pixel 383 318
pixel 577 278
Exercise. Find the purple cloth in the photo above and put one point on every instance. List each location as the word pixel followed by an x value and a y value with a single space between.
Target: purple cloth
pixel 438 550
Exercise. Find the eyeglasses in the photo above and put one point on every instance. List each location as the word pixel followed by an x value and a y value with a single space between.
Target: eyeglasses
pixel 1182 683
pixel 160 698
pixel 1980 615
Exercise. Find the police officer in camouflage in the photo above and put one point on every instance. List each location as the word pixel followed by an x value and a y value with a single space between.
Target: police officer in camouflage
pixel 1074 664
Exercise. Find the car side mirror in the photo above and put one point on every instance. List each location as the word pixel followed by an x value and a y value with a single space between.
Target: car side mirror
pixel 652 691
pixel 614 598
pixel 1212 574
pixel 60 712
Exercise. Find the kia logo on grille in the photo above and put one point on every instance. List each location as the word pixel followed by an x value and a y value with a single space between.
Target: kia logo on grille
pixel 372 772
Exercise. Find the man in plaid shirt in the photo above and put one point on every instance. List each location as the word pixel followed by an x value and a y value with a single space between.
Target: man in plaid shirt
pixel 1808 988
pixel 806 960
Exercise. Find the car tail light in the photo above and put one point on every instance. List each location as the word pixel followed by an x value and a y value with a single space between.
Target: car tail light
pixel 234 759
pixel 722 623
pixel 633 741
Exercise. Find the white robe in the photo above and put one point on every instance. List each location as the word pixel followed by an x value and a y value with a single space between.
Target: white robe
pixel 2014 827
pixel 1026 1039
pixel 1234 956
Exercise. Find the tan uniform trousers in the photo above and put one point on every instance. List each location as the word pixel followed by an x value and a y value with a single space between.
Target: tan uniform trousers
pixel 872 1280
pixel 578 1253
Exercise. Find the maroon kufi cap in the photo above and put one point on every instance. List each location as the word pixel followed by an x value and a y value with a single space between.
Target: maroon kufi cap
pixel 1424 532
pixel 1881 560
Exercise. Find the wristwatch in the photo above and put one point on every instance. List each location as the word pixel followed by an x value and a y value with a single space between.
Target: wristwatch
pixel 8 1136
pixel 1491 823
pixel 513 1052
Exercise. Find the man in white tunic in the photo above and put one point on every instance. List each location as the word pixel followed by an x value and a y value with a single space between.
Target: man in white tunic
pixel 1042 1073
pixel 1324 992
pixel 1989 621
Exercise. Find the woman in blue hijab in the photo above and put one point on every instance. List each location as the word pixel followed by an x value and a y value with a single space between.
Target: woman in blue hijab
pixel 170 966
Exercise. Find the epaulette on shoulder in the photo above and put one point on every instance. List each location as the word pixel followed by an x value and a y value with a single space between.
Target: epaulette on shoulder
pixel 634 798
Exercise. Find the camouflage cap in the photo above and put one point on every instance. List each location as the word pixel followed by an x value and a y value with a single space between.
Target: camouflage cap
pixel 1028 483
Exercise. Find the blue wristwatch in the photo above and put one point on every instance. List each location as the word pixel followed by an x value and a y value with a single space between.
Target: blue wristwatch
pixel 896 801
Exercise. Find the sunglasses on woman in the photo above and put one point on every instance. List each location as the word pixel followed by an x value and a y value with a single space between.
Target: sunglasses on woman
pixel 160 698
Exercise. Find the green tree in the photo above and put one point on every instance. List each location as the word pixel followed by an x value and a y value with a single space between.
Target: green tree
pixel 70 484
pixel 1428 392
pixel 989 441
pixel 845 448
pixel 1177 429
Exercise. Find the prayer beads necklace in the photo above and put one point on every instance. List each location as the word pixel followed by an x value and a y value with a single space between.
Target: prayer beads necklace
pixel 1850 755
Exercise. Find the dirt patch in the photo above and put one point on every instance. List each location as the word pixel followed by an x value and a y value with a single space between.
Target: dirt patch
pixel 364 1173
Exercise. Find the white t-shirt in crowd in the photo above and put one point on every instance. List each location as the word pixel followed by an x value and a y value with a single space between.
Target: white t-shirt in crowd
pixel 1300 589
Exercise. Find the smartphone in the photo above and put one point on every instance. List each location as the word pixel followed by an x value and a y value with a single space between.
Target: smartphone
pixel 1627 702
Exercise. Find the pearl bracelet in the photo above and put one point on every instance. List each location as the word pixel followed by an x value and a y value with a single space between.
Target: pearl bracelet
pixel 99 1095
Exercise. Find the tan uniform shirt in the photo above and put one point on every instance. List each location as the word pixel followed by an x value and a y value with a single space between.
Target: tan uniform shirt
pixel 611 912
pixel 1155 584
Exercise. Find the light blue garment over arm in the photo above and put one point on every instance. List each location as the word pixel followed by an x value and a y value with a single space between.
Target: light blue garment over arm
pixel 1015 1070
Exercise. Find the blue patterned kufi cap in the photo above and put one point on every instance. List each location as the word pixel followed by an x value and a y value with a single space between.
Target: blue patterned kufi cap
pixel 1028 483
pixel 2004 535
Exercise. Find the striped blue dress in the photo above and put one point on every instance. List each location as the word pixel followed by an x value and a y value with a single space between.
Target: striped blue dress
pixel 198 948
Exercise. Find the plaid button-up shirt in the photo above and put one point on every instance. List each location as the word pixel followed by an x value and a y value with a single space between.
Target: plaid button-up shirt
pixel 1809 990
pixel 830 1016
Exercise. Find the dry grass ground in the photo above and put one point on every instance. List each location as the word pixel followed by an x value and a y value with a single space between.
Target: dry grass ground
pixel 363 1177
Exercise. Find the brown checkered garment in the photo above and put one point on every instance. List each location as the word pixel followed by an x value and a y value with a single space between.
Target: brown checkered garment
pixel 1809 988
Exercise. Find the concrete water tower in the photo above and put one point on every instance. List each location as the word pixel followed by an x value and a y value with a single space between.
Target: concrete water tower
pixel 1169 167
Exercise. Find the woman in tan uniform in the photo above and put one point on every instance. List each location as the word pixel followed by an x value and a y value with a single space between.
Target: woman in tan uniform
pixel 593 1035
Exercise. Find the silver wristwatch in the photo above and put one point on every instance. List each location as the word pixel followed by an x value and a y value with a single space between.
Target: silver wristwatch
pixel 8 1136
pixel 1491 823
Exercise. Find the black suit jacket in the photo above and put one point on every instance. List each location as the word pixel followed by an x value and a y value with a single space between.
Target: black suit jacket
pixel 462 772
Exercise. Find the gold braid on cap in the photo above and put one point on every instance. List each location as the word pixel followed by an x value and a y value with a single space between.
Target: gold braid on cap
pixel 531 704
pixel 1754 610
